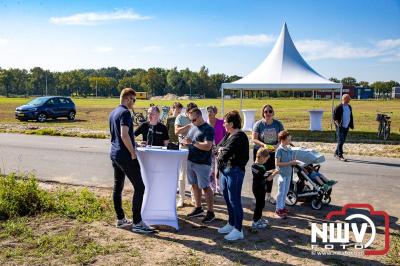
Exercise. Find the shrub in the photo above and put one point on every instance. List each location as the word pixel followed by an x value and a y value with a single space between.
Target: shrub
pixel 22 197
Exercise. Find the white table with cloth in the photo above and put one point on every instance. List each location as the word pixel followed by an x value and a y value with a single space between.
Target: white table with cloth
pixel 316 119
pixel 249 117
pixel 160 170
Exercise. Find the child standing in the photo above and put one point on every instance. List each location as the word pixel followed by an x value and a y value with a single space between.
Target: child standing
pixel 283 162
pixel 260 178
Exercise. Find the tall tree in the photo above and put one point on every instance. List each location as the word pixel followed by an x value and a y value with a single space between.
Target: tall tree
pixel 155 82
pixel 334 80
pixel 175 82
pixel 349 81
pixel 364 83
pixel 6 81
pixel 37 81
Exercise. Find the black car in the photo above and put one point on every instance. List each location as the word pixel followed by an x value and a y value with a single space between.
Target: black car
pixel 42 108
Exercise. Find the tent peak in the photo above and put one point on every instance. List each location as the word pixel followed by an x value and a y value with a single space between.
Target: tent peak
pixel 284 67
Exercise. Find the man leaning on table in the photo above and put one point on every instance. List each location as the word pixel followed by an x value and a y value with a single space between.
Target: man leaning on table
pixel 125 163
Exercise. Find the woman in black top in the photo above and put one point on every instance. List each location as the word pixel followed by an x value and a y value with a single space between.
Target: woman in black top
pixel 232 156
pixel 154 133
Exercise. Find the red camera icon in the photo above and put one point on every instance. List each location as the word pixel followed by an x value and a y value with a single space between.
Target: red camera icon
pixel 372 212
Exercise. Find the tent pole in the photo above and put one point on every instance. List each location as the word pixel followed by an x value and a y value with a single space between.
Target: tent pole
pixel 222 101
pixel 333 106
pixel 241 100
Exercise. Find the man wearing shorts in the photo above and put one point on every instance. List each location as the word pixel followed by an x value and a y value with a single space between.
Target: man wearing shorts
pixel 199 141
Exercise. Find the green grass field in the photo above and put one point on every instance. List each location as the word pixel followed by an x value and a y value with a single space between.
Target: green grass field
pixel 92 115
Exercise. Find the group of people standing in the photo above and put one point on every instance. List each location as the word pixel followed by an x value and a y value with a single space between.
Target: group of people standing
pixel 217 158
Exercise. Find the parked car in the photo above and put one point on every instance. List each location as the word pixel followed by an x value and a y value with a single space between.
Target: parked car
pixel 42 108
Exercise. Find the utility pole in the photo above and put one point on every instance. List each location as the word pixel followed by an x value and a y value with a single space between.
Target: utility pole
pixel 46 82
pixel 96 88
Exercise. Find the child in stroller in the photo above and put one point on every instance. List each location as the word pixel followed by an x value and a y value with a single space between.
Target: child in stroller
pixel 311 185
pixel 318 178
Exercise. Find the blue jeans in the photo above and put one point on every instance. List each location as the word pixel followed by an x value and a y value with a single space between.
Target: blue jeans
pixel 341 134
pixel 231 185
pixel 283 189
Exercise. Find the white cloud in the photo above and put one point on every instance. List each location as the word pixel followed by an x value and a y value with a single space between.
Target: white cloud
pixel 320 49
pixel 388 43
pixel 95 18
pixel 245 40
pixel 152 49
pixel 3 42
pixel 104 49
pixel 392 58
pixel 313 49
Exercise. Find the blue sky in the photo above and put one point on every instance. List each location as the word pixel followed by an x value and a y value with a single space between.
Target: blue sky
pixel 337 38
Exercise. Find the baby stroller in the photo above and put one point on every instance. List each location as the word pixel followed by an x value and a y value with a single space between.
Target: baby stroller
pixel 303 188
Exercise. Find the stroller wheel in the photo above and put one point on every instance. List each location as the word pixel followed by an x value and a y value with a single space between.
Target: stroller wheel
pixel 291 198
pixel 326 199
pixel 316 203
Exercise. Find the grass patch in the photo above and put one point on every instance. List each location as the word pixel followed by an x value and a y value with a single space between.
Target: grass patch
pixel 71 243
pixel 82 205
pixel 393 257
pixel 23 201
pixel 23 197
pixel 15 228
pixel 93 114
pixel 65 246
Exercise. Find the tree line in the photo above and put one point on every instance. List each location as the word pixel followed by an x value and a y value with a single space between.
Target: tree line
pixel 107 82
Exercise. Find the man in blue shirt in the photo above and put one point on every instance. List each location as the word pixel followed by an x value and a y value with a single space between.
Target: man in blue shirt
pixel 343 118
pixel 125 162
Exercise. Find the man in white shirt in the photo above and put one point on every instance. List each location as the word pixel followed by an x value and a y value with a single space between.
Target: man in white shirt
pixel 182 126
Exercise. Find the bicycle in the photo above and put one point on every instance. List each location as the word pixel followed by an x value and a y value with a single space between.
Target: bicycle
pixel 139 118
pixel 164 114
pixel 384 124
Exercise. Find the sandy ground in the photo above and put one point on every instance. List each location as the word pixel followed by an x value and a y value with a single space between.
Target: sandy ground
pixel 287 242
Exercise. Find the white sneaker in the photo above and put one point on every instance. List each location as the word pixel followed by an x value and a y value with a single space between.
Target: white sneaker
pixel 226 229
pixel 260 224
pixel 234 235
pixel 180 203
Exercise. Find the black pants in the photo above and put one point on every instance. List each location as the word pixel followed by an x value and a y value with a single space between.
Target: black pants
pixel 341 135
pixel 131 169
pixel 269 165
pixel 259 191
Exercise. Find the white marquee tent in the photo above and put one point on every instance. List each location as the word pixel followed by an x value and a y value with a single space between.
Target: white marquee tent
pixel 284 69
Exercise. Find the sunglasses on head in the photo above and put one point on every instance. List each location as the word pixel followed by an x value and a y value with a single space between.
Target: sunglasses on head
pixel 268 111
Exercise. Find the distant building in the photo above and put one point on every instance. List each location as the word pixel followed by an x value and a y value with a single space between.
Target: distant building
pixel 349 89
pixel 364 93
pixel 396 93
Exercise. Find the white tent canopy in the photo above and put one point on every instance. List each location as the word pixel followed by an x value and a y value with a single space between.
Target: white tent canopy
pixel 284 69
